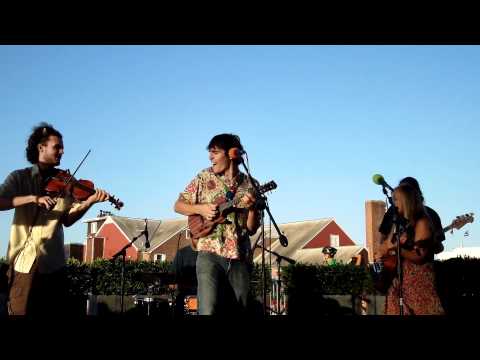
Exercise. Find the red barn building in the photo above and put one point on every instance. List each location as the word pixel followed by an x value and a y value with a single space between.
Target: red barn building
pixel 306 239
pixel 108 234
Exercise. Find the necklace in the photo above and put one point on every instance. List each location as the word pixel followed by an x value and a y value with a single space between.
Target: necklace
pixel 230 190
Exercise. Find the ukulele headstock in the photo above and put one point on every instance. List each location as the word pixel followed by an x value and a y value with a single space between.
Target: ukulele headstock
pixel 269 186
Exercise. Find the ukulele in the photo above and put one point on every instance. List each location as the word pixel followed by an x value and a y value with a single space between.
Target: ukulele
pixel 201 227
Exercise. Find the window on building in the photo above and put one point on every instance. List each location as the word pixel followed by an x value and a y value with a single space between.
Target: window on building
pixel 93 227
pixel 160 257
pixel 334 240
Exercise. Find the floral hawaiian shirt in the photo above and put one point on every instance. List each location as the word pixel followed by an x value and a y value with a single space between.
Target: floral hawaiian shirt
pixel 229 240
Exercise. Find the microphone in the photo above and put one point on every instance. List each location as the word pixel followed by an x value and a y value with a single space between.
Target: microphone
pixel 379 180
pixel 235 153
pixel 283 240
pixel 145 232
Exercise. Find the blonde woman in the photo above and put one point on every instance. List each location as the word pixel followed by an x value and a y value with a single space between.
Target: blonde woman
pixel 416 253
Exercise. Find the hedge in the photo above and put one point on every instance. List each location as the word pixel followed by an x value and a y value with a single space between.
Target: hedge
pixel 304 284
pixel 458 285
pixel 104 276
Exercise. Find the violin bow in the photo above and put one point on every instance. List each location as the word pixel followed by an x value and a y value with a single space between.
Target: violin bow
pixel 78 167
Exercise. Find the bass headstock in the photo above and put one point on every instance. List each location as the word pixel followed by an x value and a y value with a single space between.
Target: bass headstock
pixel 462 220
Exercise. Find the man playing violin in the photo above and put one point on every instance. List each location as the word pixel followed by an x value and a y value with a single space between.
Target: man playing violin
pixel 37 281
pixel 223 255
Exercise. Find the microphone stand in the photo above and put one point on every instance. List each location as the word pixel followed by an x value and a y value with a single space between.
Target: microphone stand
pixel 123 252
pixel 396 234
pixel 278 260
pixel 262 205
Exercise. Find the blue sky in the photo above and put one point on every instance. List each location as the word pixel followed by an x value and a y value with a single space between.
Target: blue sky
pixel 319 120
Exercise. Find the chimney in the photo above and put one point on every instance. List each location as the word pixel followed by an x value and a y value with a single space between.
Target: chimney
pixel 374 211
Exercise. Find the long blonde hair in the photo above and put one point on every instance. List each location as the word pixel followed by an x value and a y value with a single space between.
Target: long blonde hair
pixel 412 202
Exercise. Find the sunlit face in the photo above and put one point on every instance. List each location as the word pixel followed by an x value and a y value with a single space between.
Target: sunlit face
pixel 219 159
pixel 50 153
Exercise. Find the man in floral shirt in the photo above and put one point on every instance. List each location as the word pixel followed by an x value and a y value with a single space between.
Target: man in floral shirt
pixel 222 262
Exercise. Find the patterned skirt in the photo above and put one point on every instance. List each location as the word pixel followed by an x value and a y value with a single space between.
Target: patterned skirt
pixel 419 294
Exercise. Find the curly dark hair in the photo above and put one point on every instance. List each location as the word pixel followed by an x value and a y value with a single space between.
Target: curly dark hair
pixel 39 135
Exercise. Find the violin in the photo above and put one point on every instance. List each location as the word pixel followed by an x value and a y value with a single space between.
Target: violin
pixel 57 186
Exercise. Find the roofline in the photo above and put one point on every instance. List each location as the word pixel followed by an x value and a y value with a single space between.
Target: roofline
pixel 358 250
pixel 164 241
pixel 329 220
pixel 364 245
pixel 177 219
pixel 341 246
pixel 323 219
pixel 120 229
pixel 319 231
pixel 126 217
pixel 311 220
pixel 95 219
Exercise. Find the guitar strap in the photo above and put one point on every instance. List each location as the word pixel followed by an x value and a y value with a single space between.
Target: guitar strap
pixel 229 196
pixel 230 193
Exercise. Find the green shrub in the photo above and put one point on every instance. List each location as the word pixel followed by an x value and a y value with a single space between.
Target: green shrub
pixel 306 285
pixel 105 276
pixel 340 279
pixel 256 281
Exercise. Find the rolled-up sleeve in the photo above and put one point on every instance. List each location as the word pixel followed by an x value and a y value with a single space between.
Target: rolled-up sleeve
pixel 191 192
pixel 9 188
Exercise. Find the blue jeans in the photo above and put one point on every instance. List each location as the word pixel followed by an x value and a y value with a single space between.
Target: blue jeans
pixel 217 277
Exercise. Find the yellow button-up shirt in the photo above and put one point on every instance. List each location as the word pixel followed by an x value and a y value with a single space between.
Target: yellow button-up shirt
pixel 35 234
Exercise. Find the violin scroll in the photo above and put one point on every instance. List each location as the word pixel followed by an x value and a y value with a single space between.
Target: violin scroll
pixel 117 204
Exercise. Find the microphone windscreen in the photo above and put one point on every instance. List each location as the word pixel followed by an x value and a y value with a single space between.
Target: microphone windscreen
pixel 234 153
pixel 378 179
